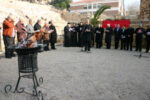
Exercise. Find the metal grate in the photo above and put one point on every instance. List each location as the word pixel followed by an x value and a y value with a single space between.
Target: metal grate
pixel 27 63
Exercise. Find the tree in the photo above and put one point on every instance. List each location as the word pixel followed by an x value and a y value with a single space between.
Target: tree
pixel 98 13
pixel 63 4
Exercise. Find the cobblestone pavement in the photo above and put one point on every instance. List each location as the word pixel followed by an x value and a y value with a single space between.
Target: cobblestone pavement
pixel 73 75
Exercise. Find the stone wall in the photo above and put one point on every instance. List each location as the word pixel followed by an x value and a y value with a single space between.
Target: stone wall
pixel 145 9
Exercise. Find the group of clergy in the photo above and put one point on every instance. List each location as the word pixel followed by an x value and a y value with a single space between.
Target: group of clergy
pixel 35 34
pixel 85 35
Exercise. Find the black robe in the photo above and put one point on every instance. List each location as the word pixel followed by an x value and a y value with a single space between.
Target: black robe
pixel 53 35
pixel 74 36
pixel 67 36
pixel 99 34
pixel 130 32
pixel 139 38
pixel 87 36
pixel 148 35
pixel 80 35
pixel 109 32
pixel 147 39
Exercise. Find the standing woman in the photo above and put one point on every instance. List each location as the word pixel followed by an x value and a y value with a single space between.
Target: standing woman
pixel 21 30
pixel 46 36
pixel 99 36
pixel 30 29
pixel 53 35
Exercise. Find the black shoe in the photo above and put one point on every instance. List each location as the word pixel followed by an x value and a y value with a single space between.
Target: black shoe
pixel 53 48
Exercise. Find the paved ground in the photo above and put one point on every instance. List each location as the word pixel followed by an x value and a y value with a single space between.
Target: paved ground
pixel 73 75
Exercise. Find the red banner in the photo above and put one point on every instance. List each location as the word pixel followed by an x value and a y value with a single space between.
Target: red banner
pixel 113 24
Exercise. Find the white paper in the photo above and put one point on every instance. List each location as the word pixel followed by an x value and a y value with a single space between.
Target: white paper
pixel 37 31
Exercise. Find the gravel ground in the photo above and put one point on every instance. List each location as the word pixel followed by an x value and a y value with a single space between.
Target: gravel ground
pixel 73 75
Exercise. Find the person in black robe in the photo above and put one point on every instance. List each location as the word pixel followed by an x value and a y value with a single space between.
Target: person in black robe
pixel 129 38
pixel 147 39
pixel 99 36
pixel 117 32
pixel 139 37
pixel 109 32
pixel 80 38
pixel 123 38
pixel 87 34
pixel 67 35
pixel 93 37
pixel 74 36
pixel 53 35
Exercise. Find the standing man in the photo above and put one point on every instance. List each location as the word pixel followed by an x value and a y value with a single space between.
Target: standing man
pixel 117 32
pixel 80 38
pixel 67 35
pixel 139 37
pixel 109 32
pixel 87 34
pixel 129 37
pixel 99 36
pixel 8 35
pixel 147 39
pixel 53 35
pixel 74 35
pixel 123 38
pixel 21 30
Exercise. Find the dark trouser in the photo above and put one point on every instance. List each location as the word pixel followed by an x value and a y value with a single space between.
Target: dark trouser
pixel 81 42
pixel 123 44
pixel 53 45
pixel 99 44
pixel 139 45
pixel 8 41
pixel 116 43
pixel 108 44
pixel 129 43
pixel 93 42
pixel 87 45
pixel 147 45
pixel 46 42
